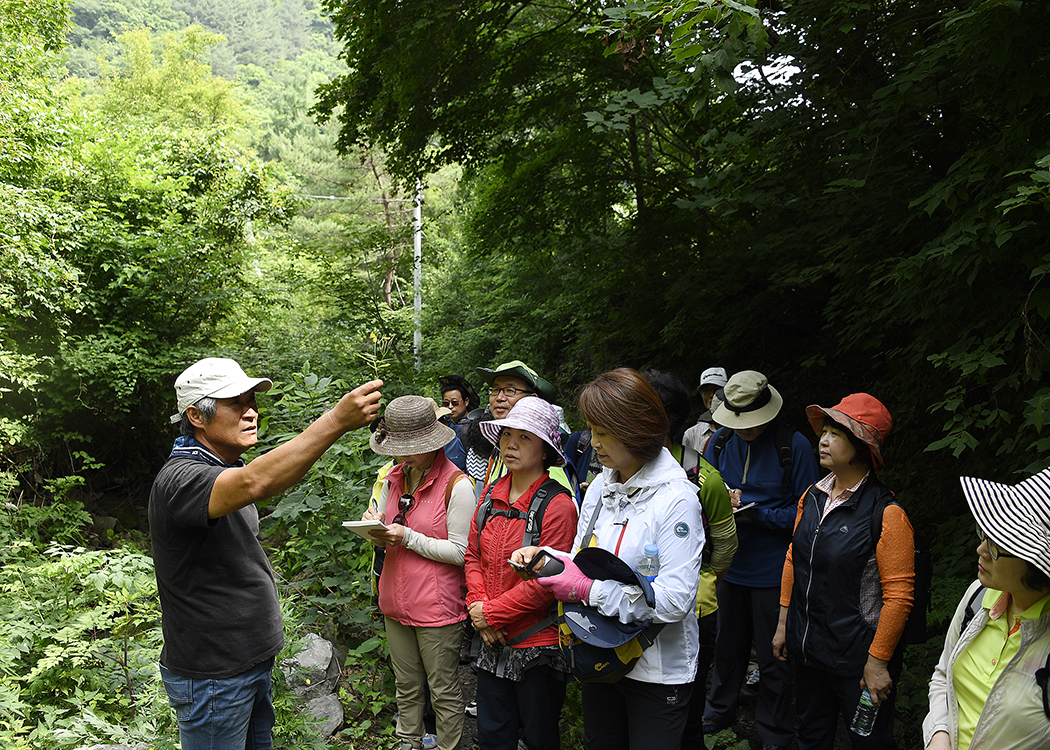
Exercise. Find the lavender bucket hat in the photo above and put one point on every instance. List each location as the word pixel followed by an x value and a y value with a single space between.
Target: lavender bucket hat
pixel 534 415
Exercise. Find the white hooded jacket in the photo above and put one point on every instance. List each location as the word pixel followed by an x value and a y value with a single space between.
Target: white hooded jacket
pixel 658 505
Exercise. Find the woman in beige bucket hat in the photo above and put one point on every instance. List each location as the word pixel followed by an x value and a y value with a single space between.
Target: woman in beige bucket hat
pixel 426 503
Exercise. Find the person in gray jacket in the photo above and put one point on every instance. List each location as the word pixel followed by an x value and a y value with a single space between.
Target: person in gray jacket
pixel 989 689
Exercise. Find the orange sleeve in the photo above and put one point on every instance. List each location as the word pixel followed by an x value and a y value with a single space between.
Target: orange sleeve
pixel 895 555
pixel 787 578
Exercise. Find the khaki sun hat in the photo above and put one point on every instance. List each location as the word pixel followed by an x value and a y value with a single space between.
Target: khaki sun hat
pixel 748 400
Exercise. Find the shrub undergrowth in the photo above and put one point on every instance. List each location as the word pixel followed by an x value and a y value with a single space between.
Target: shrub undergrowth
pixel 79 651
pixel 78 655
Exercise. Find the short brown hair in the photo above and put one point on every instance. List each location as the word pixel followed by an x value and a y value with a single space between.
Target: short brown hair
pixel 623 402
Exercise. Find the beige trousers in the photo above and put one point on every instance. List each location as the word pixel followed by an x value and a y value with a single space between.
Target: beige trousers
pixel 421 656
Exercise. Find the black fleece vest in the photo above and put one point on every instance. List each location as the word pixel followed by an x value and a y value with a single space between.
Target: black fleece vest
pixel 826 627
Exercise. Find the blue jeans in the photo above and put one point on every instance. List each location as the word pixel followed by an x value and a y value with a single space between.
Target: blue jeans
pixel 233 713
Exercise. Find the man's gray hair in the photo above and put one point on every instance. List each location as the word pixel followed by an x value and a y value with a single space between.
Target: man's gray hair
pixel 206 406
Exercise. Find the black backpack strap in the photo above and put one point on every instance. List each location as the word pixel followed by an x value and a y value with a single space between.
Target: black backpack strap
pixel 648 636
pixel 586 539
pixel 970 612
pixel 546 622
pixel 876 515
pixel 541 498
pixel 782 440
pixel 720 440
pixel 484 511
pixel 1042 677
pixel 582 444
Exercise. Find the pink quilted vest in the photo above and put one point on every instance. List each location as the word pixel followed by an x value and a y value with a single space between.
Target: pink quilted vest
pixel 415 590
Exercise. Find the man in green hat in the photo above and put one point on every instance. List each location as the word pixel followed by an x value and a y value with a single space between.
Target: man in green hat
pixel 508 383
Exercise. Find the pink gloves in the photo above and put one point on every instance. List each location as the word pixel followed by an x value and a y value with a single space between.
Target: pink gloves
pixel 571 585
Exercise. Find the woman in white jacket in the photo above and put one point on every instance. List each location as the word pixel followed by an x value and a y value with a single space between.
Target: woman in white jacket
pixel 642 498
pixel 989 688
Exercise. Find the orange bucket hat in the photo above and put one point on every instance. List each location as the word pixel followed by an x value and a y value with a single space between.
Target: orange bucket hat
pixel 863 415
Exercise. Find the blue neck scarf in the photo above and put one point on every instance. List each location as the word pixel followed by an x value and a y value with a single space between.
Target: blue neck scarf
pixel 187 447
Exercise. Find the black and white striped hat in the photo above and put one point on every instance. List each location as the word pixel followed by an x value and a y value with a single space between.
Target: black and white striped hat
pixel 1014 516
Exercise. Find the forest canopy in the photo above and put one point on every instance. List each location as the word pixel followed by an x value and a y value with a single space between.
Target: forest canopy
pixel 844 195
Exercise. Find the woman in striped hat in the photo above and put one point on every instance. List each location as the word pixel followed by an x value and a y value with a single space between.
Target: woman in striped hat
pixel 990 687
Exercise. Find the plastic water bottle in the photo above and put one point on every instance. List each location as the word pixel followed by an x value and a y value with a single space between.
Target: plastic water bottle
pixel 650 564
pixel 864 719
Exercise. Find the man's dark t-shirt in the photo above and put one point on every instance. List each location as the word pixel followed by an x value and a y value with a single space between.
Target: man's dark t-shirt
pixel 220 612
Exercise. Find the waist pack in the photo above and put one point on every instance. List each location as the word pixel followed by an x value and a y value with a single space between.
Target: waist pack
pixel 601 648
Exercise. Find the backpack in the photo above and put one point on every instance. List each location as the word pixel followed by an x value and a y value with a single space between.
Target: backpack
pixel 582 444
pixel 574 453
pixel 593 663
pixel 781 439
pixel 541 498
pixel 1042 675
pixel 915 626
pixel 694 476
pixel 580 628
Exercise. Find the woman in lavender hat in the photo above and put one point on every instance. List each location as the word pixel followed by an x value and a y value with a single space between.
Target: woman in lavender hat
pixel 521 672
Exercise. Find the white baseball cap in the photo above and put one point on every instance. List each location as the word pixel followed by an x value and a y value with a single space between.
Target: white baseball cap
pixel 214 377
pixel 714 376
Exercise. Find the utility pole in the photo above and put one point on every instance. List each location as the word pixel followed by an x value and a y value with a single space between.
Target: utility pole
pixel 417 339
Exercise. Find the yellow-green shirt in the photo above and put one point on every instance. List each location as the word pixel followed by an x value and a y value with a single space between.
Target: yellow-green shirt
pixel 718 509
pixel 981 662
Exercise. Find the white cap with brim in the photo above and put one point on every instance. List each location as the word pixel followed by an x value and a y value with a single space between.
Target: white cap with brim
pixel 1016 517
pixel 214 377
pixel 715 376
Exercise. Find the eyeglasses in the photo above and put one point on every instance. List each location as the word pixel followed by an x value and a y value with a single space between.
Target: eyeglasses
pixel 993 550
pixel 508 392
pixel 448 403
pixel 403 505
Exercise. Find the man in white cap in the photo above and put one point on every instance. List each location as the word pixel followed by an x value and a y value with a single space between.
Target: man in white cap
pixel 220 615
pixel 767 465
pixel 696 437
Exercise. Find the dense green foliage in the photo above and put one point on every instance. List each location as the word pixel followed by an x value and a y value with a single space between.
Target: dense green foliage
pixel 79 654
pixel 325 570
pixel 81 625
pixel 255 32
pixel 143 231
pixel 845 195
pixel 78 659
pixel 146 210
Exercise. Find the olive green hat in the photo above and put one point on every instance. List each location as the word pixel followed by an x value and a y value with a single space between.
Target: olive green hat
pixel 518 369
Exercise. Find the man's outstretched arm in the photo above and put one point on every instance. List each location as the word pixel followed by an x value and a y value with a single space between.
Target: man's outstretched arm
pixel 277 470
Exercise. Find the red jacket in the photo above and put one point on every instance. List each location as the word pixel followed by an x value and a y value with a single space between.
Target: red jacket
pixel 511 603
